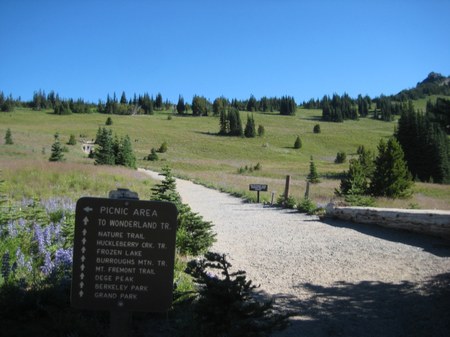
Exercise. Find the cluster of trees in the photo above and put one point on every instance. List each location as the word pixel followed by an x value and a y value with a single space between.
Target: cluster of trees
pixel 285 105
pixel 60 106
pixel 426 146
pixel 384 175
pixel 142 104
pixel 111 150
pixel 7 104
pixel 202 107
pixel 231 124
pixel 439 113
pixel 338 108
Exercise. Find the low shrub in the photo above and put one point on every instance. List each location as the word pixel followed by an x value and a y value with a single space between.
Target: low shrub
pixel 227 304
pixel 306 205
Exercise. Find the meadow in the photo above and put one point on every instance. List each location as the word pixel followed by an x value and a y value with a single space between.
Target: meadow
pixel 196 152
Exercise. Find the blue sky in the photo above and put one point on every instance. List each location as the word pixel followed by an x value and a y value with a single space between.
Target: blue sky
pixel 306 49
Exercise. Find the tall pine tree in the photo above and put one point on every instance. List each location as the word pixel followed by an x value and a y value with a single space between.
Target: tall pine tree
pixel 104 151
pixel 8 137
pixel 57 150
pixel 250 128
pixel 391 177
pixel 313 176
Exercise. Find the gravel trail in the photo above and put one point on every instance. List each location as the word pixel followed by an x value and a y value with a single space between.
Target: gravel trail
pixel 334 278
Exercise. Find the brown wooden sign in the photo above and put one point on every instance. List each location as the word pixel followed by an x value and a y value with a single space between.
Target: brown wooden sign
pixel 123 256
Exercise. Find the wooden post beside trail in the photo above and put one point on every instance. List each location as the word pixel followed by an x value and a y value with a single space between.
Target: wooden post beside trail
pixel 286 188
pixel 307 190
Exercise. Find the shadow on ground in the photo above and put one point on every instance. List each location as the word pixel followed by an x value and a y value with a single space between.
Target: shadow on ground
pixel 434 245
pixel 370 309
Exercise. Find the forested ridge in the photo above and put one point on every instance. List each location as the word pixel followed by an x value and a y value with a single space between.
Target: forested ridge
pixel 422 133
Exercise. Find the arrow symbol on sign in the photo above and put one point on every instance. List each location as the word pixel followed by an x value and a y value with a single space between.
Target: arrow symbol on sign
pixel 81 276
pixel 88 209
pixel 84 241
pixel 81 293
pixel 81 284
pixel 83 258
pixel 82 267
pixel 84 232
pixel 83 250
pixel 85 220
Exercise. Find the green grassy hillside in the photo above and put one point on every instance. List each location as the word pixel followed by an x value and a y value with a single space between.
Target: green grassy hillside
pixel 197 152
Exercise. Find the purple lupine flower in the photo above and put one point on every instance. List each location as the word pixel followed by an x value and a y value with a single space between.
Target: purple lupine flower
pixel 47 268
pixel 63 257
pixel 21 223
pixel 12 228
pixel 39 237
pixel 53 205
pixel 21 262
pixel 27 202
pixel 57 232
pixel 5 265
pixel 47 235
pixel 20 258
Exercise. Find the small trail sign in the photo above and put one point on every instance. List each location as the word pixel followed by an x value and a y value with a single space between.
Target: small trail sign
pixel 124 252
pixel 258 188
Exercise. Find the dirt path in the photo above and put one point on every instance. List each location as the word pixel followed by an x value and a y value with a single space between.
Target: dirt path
pixel 336 278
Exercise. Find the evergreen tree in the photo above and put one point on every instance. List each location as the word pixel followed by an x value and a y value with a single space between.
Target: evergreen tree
pixel 163 147
pixel 224 123
pixel 123 98
pixel 158 102
pixel 194 235
pixel 391 177
pixel 363 106
pixel 357 179
pixel 125 155
pixel 166 190
pixel 109 121
pixel 261 130
pixel 313 176
pixel 439 154
pixel 250 128
pixel 227 304
pixel 62 108
pixel 440 113
pixel 252 104
pixel 8 137
pixel 72 140
pixel 424 142
pixel 153 156
pixel 57 150
pixel 146 104
pixel 181 107
pixel 235 122
pixel 7 105
pixel 298 143
pixel 104 151
pixel 219 106
pixel 340 157
pixel 199 106
pixel 316 128
pixel 287 105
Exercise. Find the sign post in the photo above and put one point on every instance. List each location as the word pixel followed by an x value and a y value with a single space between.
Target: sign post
pixel 258 188
pixel 123 257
